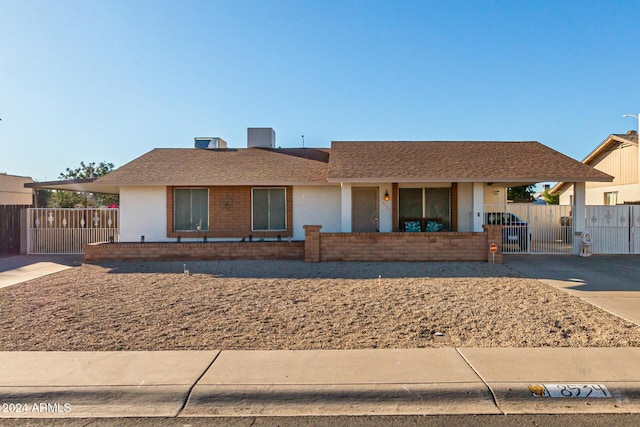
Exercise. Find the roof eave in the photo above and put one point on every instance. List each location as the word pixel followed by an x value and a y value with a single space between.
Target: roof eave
pixel 465 179
pixel 603 146
pixel 219 184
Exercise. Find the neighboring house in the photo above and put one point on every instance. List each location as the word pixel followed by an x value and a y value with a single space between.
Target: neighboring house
pixel 616 156
pixel 263 192
pixel 13 192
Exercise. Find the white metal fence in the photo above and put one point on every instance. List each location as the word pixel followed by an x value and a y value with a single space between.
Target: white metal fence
pixel 614 229
pixel 66 231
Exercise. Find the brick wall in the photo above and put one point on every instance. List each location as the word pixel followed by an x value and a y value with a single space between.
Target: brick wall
pixel 312 243
pixel 442 246
pixel 229 214
pixel 210 251
pixel 447 246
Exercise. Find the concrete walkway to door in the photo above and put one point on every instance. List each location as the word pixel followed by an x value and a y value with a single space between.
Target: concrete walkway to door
pixel 611 282
pixel 18 269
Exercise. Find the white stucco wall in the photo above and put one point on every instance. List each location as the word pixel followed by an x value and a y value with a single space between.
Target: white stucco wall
pixel 143 212
pixel 495 195
pixel 385 208
pixel 316 205
pixel 345 207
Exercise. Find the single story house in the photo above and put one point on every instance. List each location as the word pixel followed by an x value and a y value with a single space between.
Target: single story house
pixel 355 189
pixel 618 156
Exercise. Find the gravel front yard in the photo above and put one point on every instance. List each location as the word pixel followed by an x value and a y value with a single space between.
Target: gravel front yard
pixel 295 305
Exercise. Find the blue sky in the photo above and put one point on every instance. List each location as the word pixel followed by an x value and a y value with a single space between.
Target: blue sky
pixel 110 80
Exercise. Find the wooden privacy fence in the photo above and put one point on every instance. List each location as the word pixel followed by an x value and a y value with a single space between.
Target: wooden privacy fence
pixel 66 231
pixel 10 229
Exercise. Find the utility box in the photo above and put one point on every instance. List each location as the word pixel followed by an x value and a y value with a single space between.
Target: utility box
pixel 261 137
pixel 211 143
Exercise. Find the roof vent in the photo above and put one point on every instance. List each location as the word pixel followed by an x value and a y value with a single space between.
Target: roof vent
pixel 632 132
pixel 261 137
pixel 210 143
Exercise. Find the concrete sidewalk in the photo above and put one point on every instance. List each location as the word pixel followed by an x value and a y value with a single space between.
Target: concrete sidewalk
pixel 21 268
pixel 334 382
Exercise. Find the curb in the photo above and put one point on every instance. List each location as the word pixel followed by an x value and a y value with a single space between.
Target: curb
pixel 340 399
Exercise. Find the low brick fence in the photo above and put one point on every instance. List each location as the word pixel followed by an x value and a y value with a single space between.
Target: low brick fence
pixel 440 246
pixel 317 247
pixel 210 251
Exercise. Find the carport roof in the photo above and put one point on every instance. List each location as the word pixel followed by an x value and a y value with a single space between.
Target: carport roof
pixel 87 184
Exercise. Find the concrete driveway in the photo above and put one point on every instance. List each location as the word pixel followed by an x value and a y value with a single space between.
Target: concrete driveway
pixel 611 282
pixel 17 269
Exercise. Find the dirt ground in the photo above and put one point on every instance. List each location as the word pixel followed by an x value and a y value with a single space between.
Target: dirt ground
pixel 294 305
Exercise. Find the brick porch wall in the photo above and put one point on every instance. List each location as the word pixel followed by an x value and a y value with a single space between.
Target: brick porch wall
pixel 210 251
pixel 442 246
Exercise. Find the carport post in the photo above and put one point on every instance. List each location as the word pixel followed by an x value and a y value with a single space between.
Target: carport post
pixel 578 212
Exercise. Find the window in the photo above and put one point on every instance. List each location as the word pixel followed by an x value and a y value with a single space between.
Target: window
pixel 611 198
pixel 410 202
pixel 191 209
pixel 269 209
pixel 425 203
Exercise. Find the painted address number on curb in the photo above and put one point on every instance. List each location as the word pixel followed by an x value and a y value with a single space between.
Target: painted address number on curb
pixel 569 390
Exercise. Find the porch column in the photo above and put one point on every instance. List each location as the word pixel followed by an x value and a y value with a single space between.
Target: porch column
pixel 578 212
pixel 478 207
pixel 345 203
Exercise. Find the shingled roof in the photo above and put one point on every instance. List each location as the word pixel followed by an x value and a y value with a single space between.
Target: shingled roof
pixel 454 161
pixel 511 163
pixel 247 166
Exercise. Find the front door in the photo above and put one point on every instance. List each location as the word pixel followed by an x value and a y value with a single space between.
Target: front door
pixel 364 210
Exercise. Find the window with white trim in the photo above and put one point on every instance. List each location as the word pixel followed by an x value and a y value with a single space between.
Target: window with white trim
pixel 191 209
pixel 269 209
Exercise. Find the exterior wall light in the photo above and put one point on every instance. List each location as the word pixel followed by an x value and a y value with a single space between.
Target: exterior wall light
pixel 386 196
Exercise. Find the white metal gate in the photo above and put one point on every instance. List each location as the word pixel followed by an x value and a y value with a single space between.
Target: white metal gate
pixel 532 228
pixel 614 229
pixel 66 231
